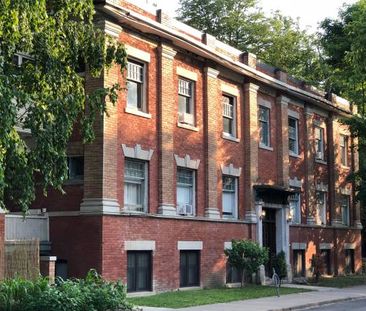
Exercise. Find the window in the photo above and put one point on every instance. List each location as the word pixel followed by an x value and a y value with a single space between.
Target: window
pixel 135 188
pixel 185 191
pixel 75 165
pixel 232 274
pixel 321 203
pixel 293 135
pixel 345 209
pixel 185 101
pixel 326 263
pixel 189 268
pixel 135 85
pixel 319 143
pixel 229 197
pixel 229 115
pixel 138 271
pixel 264 126
pixel 350 261
pixel 295 208
pixel 343 143
pixel 299 263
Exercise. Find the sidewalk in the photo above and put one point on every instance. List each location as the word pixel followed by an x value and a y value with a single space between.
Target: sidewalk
pixel 320 296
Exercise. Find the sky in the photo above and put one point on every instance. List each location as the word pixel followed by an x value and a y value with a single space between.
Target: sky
pixel 310 12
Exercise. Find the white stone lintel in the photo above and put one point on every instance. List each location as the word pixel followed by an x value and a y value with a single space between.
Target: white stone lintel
pixel 138 54
pixel 140 245
pixel 48 258
pixel 185 73
pixel 229 89
pixel 349 245
pixel 231 170
pixel 137 152
pixel 190 245
pixel 326 245
pixel 298 246
pixel 293 114
pixel 322 187
pixel 295 182
pixel 187 162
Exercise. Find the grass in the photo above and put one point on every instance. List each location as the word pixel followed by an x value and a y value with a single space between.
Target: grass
pixel 182 299
pixel 341 281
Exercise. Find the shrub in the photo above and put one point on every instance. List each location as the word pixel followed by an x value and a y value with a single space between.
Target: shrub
pixel 316 265
pixel 89 294
pixel 280 265
pixel 246 255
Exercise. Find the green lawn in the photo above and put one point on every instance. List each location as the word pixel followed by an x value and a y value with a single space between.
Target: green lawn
pixel 182 299
pixel 341 281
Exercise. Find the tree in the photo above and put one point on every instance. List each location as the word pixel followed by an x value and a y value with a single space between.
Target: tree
pixel 45 94
pixel 246 256
pixel 277 40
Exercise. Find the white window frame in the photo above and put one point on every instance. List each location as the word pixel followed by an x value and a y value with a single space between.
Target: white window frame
pixel 319 153
pixel 142 81
pixel 191 100
pixel 261 143
pixel 226 113
pixel 345 198
pixel 193 203
pixel 234 209
pixel 343 145
pixel 295 210
pixel 144 195
pixel 321 209
pixel 296 139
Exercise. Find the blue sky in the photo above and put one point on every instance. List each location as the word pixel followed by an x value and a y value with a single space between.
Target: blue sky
pixel 310 12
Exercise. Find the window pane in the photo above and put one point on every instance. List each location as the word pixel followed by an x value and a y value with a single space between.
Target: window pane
pixel 185 176
pixel 134 97
pixel 184 195
pixel 138 271
pixel 75 168
pixel 295 206
pixel 184 104
pixel 228 126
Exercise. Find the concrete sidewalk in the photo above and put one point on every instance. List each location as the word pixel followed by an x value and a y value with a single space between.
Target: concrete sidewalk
pixel 320 296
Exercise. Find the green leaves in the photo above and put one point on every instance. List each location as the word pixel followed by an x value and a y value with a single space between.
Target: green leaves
pixel 45 94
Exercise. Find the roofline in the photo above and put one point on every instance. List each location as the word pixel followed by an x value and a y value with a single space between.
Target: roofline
pixel 145 24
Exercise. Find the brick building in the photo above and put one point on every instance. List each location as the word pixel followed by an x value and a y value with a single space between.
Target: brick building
pixel 208 144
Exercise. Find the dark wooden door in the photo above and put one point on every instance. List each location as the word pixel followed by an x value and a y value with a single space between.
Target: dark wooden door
pixel 269 237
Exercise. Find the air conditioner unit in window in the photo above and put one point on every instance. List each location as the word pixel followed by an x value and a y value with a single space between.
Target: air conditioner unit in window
pixel 319 155
pixel 185 209
pixel 186 118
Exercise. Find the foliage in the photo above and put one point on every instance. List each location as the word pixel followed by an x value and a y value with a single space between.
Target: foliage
pixel 92 294
pixel 46 95
pixel 246 255
pixel 341 281
pixel 316 266
pixel 280 265
pixel 276 39
pixel 183 299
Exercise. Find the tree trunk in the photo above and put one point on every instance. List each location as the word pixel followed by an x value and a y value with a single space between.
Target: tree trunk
pixel 242 278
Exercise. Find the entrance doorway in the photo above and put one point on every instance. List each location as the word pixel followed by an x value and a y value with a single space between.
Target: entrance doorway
pixel 269 237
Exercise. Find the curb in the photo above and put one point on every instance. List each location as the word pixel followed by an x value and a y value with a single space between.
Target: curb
pixel 319 304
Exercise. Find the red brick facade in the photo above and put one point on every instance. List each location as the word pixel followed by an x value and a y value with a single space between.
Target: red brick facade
pixel 90 226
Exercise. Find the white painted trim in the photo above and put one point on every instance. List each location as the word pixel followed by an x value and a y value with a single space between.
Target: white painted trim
pixel 298 246
pixel 345 191
pixel 190 245
pixel 188 127
pixel 137 53
pixel 213 73
pixel 137 152
pixel 322 187
pixel 140 245
pixel 230 90
pixel 137 112
pixel 264 103
pixel 293 114
pixel 187 162
pixel 295 182
pixel 231 138
pixel 349 245
pixel 187 74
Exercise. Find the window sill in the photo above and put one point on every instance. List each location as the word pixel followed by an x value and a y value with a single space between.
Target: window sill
pixel 138 113
pixel 187 127
pixel 231 138
pixel 127 210
pixel 321 161
pixel 227 217
pixel 265 147
pixel 294 155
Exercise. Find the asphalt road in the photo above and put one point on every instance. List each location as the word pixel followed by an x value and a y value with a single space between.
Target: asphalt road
pixel 355 305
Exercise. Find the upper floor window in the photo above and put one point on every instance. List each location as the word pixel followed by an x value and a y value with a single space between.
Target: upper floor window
pixel 229 196
pixel 185 191
pixel 186 101
pixel 293 135
pixel 75 168
pixel 135 86
pixel 345 210
pixel 321 204
pixel 135 185
pixel 343 143
pixel 264 126
pixel 229 115
pixel 295 208
pixel 319 143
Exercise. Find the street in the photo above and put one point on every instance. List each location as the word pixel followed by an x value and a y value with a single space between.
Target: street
pixel 354 305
